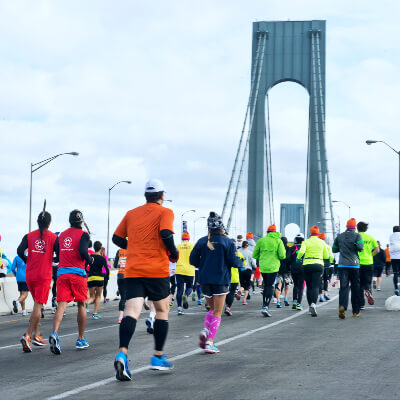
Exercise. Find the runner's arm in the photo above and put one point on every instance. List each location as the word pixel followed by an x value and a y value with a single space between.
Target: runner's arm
pixel 119 241
pixel 84 247
pixel 22 247
pixel 167 237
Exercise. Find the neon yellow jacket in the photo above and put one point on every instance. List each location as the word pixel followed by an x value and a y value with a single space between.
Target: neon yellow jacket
pixel 235 271
pixel 314 250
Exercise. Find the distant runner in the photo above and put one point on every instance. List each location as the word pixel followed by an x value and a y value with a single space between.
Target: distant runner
pixel 41 245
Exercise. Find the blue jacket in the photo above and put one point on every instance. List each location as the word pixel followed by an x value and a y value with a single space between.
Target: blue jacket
pixel 215 265
pixel 19 266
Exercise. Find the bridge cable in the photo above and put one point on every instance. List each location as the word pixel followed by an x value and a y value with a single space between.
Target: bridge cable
pixel 253 73
pixel 254 104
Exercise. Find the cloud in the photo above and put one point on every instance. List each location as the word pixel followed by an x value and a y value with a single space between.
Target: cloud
pixel 160 89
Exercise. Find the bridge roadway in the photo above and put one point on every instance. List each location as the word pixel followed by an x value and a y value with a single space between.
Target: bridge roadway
pixel 288 356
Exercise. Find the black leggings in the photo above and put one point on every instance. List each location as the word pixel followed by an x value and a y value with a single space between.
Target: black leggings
pixel 122 293
pixel 106 278
pixel 231 295
pixel 396 270
pixel 366 274
pixel 269 280
pixel 298 282
pixel 172 282
pixel 326 277
pixel 313 275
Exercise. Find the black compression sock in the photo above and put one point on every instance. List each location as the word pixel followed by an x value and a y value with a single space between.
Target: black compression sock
pixel 126 331
pixel 160 333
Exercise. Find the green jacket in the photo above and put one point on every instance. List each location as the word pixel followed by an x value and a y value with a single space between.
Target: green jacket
pixel 314 250
pixel 269 251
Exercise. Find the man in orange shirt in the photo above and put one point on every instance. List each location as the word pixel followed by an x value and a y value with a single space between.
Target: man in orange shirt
pixel 149 249
pixel 388 263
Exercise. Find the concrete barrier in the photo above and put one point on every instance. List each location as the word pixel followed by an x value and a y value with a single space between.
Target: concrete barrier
pixel 9 292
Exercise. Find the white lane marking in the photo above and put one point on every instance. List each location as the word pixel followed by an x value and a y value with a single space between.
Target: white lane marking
pixel 68 334
pixel 103 382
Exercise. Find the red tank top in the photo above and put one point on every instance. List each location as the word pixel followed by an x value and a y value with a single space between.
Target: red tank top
pixel 122 254
pixel 69 249
pixel 39 266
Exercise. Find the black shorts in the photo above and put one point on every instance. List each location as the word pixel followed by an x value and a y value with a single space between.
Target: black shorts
pixel 244 277
pixel 378 271
pixel 154 288
pixel 91 284
pixel 214 290
pixel 22 287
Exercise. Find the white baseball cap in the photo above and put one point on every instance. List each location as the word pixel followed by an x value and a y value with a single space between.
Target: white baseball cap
pixel 154 186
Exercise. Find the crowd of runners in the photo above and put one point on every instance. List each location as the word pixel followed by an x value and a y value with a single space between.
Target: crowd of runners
pixel 155 274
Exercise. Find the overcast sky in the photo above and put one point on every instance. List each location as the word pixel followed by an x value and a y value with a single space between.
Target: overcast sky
pixel 159 89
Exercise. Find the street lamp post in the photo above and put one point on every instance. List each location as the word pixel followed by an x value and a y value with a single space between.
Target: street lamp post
pixel 194 227
pixel 35 167
pixel 183 215
pixel 108 218
pixel 369 142
pixel 340 201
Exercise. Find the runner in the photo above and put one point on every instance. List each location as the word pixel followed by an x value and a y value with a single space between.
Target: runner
pixel 106 270
pixel 388 264
pixel 379 265
pixel 327 275
pixel 18 269
pixel 348 244
pixel 214 255
pixel 296 267
pixel 314 252
pixel 371 248
pixel 150 232
pixel 41 245
pixel 184 273
pixel 120 263
pixel 239 241
pixel 283 278
pixel 71 279
pixel 233 287
pixel 252 245
pixel 246 271
pixel 95 279
pixel 395 257
pixel 269 251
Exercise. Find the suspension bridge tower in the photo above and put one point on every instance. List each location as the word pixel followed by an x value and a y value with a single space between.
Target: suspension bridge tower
pixel 283 51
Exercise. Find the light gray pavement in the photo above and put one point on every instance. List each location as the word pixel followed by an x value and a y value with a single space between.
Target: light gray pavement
pixel 288 356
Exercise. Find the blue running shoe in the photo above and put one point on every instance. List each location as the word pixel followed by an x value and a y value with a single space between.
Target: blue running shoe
pixel 160 363
pixel 326 297
pixel 81 344
pixel 122 372
pixel 396 292
pixel 199 302
pixel 54 343
pixel 278 304
pixel 286 301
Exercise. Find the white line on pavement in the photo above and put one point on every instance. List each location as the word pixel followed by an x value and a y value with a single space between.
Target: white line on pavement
pixel 68 334
pixel 181 356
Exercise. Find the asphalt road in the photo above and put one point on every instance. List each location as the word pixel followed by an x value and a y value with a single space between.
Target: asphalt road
pixel 288 356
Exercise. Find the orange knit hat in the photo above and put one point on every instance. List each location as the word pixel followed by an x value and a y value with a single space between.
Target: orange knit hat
pixel 314 230
pixel 322 236
pixel 249 236
pixel 185 235
pixel 272 228
pixel 351 223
